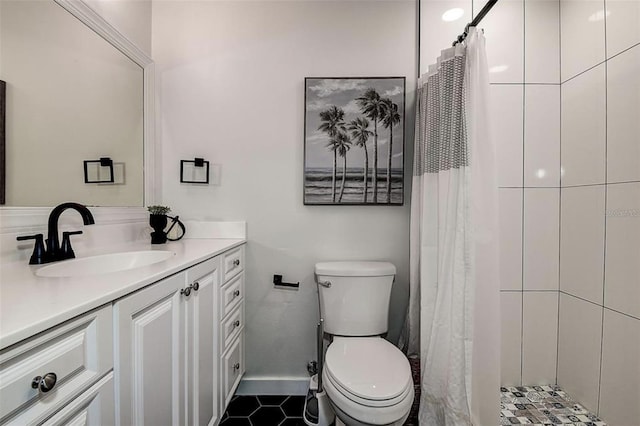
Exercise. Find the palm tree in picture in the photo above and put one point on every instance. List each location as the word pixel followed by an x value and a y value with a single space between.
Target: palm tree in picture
pixel 332 123
pixel 371 105
pixel 390 118
pixel 360 133
pixel 342 144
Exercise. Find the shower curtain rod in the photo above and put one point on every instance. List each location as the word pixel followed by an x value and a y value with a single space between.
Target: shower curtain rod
pixel 487 7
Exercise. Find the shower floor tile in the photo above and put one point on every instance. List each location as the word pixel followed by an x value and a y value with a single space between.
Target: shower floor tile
pixel 542 405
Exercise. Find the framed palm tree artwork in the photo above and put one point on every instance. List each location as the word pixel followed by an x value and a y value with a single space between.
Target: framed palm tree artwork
pixel 354 140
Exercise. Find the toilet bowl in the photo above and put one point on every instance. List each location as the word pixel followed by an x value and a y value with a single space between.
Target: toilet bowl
pixel 368 381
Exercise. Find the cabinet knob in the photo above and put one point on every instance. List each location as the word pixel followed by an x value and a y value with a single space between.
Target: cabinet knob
pixel 196 286
pixel 236 293
pixel 236 323
pixel 236 366
pixel 46 383
pixel 236 262
pixel 186 291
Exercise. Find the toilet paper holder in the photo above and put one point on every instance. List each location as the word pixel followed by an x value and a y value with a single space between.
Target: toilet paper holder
pixel 277 280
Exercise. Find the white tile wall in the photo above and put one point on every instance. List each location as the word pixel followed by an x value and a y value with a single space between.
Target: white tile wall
pixel 623 25
pixel 583 128
pixel 539 336
pixel 580 330
pixel 510 211
pixel 526 128
pixel 510 357
pixel 623 112
pixel 585 242
pixel 620 382
pixel 541 238
pixel 507 121
pixel 542 135
pixel 622 271
pixel 581 35
pixel 504 32
pixel 582 242
pixel 541 48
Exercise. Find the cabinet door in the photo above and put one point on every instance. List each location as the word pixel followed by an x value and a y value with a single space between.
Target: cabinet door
pixel 201 347
pixel 149 350
pixel 94 407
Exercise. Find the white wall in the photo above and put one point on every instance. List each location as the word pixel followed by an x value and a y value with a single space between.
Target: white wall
pixel 599 326
pixel 230 81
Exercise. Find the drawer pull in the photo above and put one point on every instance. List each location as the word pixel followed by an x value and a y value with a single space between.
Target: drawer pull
pixel 236 366
pixel 236 263
pixel 44 384
pixel 236 293
pixel 186 291
pixel 236 324
pixel 196 286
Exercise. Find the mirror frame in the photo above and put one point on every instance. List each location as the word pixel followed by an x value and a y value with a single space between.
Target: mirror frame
pixel 19 219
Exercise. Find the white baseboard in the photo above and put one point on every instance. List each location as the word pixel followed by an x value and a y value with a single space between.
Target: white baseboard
pixel 273 386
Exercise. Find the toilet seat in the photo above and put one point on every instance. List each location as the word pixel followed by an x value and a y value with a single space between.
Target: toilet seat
pixel 369 379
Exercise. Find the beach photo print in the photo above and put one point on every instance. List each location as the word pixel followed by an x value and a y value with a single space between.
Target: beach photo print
pixel 354 141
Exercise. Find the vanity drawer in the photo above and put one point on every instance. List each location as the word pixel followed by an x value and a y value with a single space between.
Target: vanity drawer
pixel 231 327
pixel 232 368
pixel 78 353
pixel 95 407
pixel 231 294
pixel 233 262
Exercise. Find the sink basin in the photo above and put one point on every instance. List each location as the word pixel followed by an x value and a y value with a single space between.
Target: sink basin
pixel 104 264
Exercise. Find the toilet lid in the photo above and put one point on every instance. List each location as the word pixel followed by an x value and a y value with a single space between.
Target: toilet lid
pixel 368 367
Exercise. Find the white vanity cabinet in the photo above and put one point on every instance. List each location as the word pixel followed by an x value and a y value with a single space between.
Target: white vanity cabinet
pixel 166 350
pixel 71 357
pixel 170 353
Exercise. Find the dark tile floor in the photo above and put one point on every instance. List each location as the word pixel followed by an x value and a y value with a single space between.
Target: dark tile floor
pixel 264 410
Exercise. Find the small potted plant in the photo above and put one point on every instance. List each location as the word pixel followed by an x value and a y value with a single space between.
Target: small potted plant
pixel 158 221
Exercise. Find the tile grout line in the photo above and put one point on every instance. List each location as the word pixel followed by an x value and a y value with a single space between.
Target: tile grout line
pixel 600 306
pixel 523 218
pixel 560 185
pixel 606 179
pixel 601 62
pixel 571 186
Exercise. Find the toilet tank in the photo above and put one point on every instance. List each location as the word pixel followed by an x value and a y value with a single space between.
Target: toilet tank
pixel 354 296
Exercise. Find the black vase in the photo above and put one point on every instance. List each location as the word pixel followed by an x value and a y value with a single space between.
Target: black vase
pixel 158 222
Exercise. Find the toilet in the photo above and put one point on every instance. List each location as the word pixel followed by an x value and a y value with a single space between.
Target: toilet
pixel 367 379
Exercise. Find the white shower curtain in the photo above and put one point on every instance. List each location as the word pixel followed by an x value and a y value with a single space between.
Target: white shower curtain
pixel 453 320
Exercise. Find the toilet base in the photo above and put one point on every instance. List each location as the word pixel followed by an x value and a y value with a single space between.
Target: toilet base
pixel 343 419
pixel 317 410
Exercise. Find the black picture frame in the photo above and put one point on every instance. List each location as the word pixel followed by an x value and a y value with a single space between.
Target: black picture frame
pixel 325 182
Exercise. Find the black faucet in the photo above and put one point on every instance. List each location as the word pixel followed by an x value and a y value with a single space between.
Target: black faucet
pixel 55 251
pixel 53 244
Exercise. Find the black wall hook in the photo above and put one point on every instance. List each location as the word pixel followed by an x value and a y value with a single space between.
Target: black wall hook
pixel 277 280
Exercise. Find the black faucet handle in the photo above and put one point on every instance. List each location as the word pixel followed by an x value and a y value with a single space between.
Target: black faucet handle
pixel 66 252
pixel 38 255
pixel 67 233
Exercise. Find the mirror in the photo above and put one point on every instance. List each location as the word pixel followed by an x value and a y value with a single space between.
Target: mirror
pixel 71 97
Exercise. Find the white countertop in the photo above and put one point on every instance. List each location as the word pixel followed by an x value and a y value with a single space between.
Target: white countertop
pixel 30 304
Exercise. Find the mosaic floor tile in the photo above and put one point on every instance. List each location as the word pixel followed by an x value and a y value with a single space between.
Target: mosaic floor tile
pixel 542 406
